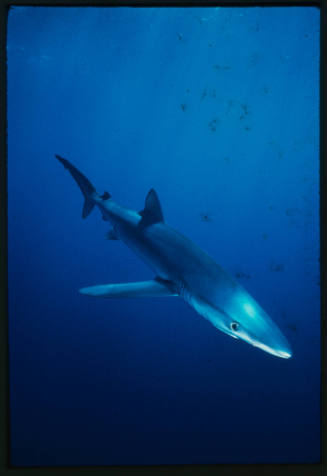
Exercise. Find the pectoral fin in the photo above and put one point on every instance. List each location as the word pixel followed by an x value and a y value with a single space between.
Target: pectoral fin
pixel 153 288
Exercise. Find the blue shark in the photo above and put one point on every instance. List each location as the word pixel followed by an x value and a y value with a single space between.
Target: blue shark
pixel 181 268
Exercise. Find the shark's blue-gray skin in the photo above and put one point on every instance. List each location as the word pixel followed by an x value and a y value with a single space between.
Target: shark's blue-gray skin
pixel 181 269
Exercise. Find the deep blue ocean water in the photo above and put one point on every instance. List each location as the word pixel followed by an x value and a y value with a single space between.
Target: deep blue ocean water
pixel 218 110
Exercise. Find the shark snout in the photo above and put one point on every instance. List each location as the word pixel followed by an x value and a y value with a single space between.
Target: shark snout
pixel 283 351
pixel 256 327
pixel 271 340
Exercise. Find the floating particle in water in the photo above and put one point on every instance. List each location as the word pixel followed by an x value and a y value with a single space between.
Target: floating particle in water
pixel 213 93
pixel 187 90
pixel 213 125
pixel 230 104
pixel 314 341
pixel 247 128
pixel 254 59
pixel 291 212
pixel 46 57
pixel 245 108
pixel 285 58
pixel 204 94
pixel 227 159
pixel 271 208
pixel 219 67
pixel 210 44
pixel 255 27
pixel 241 275
pixel 276 149
pixel 276 267
pixel 292 327
pixel 180 36
pixel 265 236
pixel 266 90
pixel 202 19
pixel 183 107
pixel 205 217
pixel 242 117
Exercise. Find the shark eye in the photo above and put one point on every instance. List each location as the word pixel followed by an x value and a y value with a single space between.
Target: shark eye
pixel 234 326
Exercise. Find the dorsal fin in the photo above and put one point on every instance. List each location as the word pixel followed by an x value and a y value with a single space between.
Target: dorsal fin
pixel 152 212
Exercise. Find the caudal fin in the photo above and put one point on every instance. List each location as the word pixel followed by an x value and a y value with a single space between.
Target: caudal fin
pixel 84 184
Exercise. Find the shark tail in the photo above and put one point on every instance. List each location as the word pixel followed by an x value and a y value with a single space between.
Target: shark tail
pixel 84 184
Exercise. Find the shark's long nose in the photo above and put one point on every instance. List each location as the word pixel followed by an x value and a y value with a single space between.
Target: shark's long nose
pixel 286 353
pixel 274 342
pixel 283 350
pixel 257 328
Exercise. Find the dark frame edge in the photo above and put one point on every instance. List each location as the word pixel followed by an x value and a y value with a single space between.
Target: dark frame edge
pixel 323 227
pixel 4 347
pixel 246 470
pixel 165 3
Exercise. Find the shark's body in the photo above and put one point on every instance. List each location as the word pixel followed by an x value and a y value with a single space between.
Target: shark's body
pixel 182 269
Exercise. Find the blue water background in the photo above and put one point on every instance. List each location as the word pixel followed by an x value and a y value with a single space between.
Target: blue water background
pixel 218 110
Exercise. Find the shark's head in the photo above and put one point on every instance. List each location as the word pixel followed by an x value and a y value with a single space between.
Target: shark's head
pixel 241 317
pixel 246 320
